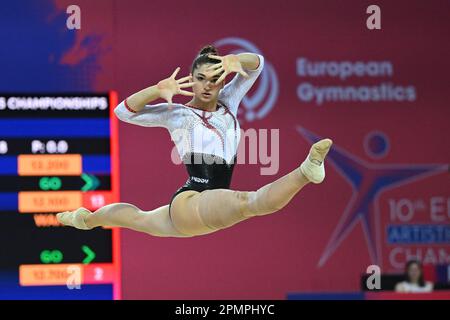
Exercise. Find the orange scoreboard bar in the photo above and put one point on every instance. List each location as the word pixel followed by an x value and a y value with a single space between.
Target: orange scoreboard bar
pixel 58 152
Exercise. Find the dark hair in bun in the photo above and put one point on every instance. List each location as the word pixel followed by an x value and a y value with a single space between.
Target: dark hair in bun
pixel 203 58
pixel 209 49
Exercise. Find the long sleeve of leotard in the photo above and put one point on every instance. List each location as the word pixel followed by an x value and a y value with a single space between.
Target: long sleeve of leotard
pixel 155 115
pixel 234 91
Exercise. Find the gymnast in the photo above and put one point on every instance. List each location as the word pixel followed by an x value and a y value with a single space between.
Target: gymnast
pixel 205 203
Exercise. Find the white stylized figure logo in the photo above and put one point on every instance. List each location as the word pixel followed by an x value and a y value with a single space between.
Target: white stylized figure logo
pixel 262 101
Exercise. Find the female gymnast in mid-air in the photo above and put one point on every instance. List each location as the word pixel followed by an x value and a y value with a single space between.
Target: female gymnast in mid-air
pixel 205 203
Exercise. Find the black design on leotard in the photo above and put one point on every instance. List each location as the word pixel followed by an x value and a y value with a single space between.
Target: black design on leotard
pixel 206 171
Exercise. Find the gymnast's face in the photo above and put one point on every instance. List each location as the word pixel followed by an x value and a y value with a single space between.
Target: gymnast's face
pixel 204 88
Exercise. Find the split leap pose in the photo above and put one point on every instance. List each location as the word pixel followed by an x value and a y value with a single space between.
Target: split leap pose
pixel 205 203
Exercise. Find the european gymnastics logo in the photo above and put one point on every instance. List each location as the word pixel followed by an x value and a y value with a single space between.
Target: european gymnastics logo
pixel 343 71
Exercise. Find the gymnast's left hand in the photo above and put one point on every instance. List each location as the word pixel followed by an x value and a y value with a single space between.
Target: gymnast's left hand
pixel 228 64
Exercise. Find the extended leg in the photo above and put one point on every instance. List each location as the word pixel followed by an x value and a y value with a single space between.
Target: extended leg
pixel 211 210
pixel 155 222
pixel 223 208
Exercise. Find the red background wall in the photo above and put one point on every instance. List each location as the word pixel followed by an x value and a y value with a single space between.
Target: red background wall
pixel 142 42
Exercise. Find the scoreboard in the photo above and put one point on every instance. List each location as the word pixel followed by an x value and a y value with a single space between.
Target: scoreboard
pixel 58 152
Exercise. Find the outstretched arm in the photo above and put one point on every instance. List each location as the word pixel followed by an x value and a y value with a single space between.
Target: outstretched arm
pixel 135 110
pixel 249 61
pixel 233 63
pixel 137 101
pixel 165 89
pixel 248 67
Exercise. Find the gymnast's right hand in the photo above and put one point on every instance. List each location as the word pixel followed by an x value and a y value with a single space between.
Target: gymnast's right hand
pixel 169 87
